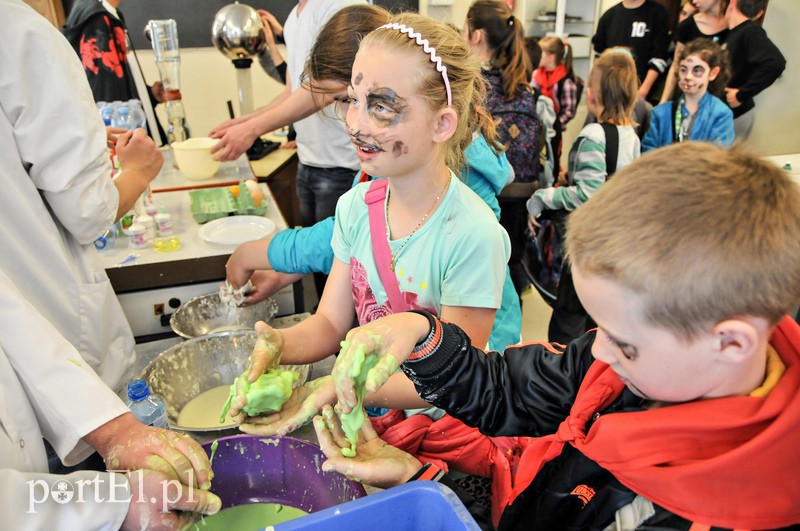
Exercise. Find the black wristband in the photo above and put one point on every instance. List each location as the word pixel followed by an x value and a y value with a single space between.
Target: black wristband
pixel 429 472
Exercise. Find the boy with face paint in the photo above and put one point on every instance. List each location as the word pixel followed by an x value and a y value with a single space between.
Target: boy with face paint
pixel 698 114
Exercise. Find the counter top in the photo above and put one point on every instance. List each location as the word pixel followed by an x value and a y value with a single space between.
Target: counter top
pixel 793 159
pixel 196 260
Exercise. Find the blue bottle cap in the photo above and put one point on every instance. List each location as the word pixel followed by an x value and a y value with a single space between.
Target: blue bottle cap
pixel 138 390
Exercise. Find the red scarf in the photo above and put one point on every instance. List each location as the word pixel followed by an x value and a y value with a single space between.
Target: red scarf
pixel 727 462
pixel 547 80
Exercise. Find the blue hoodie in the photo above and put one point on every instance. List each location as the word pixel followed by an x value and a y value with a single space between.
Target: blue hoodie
pixel 713 123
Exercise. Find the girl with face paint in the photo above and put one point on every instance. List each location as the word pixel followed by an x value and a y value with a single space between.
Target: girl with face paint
pixel 699 113
pixel 413 104
pixel 708 21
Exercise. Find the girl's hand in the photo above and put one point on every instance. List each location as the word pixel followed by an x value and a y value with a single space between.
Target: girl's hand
pixel 390 339
pixel 533 225
pixel 375 463
pixel 266 355
pixel 305 402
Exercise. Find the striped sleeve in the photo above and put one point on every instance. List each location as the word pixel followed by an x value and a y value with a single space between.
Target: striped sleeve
pixel 588 173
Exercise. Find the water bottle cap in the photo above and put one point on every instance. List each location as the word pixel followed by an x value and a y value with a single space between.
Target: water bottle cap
pixel 138 390
pixel 124 110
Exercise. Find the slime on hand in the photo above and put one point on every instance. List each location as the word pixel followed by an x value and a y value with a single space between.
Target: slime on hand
pixel 265 395
pixel 352 421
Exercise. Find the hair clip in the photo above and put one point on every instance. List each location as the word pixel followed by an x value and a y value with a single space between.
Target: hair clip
pixel 511 20
pixel 430 50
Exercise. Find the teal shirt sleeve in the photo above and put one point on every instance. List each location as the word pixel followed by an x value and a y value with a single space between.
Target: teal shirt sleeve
pixel 486 172
pixel 306 250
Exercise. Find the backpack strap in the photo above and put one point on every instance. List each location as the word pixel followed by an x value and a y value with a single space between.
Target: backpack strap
pixel 612 148
pixel 374 198
pixel 674 130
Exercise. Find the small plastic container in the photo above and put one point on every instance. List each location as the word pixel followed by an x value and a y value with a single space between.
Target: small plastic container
pixel 137 236
pixel 163 224
pixel 147 407
pixel 143 219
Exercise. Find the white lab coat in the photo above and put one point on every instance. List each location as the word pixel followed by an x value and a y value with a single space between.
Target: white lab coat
pixel 56 197
pixel 35 358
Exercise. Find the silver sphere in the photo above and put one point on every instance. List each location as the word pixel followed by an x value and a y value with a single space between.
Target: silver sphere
pixel 237 31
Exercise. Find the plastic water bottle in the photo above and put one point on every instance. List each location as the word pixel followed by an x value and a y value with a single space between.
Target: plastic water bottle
pixel 138 118
pixel 122 118
pixel 107 113
pixel 147 407
pixel 107 239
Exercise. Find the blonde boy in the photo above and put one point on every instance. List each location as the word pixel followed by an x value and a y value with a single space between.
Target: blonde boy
pixel 682 407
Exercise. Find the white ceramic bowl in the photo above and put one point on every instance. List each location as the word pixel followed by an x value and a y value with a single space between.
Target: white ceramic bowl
pixel 194 158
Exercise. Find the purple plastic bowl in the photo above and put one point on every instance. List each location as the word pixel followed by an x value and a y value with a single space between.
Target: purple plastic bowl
pixel 251 469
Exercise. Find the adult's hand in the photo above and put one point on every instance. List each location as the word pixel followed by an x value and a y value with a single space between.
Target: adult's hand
pixel 138 153
pixel 111 135
pixel 305 402
pixel 269 20
pixel 126 444
pixel 391 339
pixel 375 463
pixel 156 498
pixel 158 91
pixel 235 140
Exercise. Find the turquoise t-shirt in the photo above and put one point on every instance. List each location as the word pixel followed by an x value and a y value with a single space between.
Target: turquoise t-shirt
pixel 457 258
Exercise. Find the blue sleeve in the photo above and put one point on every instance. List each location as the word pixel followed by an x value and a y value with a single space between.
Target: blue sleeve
pixel 486 173
pixel 723 125
pixel 305 250
pixel 656 137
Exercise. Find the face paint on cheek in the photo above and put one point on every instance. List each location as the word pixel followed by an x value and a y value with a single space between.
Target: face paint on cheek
pixel 399 149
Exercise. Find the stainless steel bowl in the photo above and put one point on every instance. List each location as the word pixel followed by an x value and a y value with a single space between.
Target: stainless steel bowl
pixel 187 369
pixel 237 31
pixel 207 314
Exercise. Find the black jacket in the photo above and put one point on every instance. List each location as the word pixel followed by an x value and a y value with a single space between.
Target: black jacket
pixel 529 391
pixel 756 63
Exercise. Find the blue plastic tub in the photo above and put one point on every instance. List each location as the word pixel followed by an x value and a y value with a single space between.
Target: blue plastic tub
pixel 415 506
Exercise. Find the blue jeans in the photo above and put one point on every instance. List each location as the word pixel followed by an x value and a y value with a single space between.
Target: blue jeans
pixel 318 190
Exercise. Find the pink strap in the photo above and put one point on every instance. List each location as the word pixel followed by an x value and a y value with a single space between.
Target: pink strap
pixel 374 198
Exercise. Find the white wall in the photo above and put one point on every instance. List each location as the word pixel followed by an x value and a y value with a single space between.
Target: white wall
pixel 208 81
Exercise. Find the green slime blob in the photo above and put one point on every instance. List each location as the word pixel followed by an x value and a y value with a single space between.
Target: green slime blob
pixel 265 395
pixel 352 422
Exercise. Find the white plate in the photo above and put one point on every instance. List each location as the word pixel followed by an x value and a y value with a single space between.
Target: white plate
pixel 234 230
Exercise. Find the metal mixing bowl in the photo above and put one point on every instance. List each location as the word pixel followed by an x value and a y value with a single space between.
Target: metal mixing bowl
pixel 206 314
pixel 187 369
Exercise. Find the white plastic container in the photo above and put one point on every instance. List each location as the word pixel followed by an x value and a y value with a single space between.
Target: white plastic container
pixel 137 237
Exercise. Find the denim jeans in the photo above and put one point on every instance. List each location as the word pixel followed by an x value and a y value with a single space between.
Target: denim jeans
pixel 318 190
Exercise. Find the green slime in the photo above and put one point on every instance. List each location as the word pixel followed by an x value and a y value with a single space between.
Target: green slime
pixel 352 421
pixel 251 516
pixel 265 395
